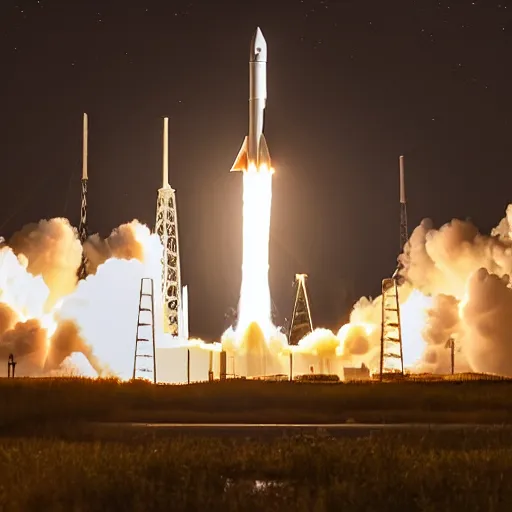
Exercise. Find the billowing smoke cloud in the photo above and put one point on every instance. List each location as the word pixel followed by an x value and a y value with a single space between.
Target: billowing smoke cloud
pixel 488 323
pixel 53 252
pixel 504 229
pixel 8 318
pixel 122 243
pixel 46 319
pixel 456 286
pixel 28 342
pixel 443 323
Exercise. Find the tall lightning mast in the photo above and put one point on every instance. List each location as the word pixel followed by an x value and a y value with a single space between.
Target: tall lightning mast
pixel 166 226
pixel 82 228
pixel 403 208
pixel 391 347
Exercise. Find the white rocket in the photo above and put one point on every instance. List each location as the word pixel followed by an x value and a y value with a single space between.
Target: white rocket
pixel 254 150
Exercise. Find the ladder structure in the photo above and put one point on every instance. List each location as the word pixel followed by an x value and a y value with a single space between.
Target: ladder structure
pixel 391 355
pixel 300 323
pixel 82 227
pixel 166 227
pixel 144 363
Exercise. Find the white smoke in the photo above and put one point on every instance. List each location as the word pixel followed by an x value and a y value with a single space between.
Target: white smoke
pixel 456 286
pixel 45 316
pixel 53 252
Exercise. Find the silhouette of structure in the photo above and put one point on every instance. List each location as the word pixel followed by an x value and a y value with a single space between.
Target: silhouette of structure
pixel 11 366
pixel 451 345
pixel 300 322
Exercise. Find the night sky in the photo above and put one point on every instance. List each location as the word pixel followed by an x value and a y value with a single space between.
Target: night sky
pixel 351 86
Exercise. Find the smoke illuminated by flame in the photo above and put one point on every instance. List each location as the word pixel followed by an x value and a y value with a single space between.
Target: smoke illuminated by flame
pixel 457 286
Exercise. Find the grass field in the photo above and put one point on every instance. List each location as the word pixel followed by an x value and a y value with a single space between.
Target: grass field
pixel 25 403
pixel 470 472
pixel 47 465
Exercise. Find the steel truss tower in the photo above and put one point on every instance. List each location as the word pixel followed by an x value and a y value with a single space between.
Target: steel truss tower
pixel 82 227
pixel 391 356
pixel 144 362
pixel 166 227
pixel 300 323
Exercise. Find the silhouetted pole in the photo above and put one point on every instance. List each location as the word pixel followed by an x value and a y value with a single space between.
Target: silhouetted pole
pixel 451 345
pixel 11 364
pixel 188 366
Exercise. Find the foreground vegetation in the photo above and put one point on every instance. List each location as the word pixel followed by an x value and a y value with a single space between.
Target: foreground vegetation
pixel 438 471
pixel 29 402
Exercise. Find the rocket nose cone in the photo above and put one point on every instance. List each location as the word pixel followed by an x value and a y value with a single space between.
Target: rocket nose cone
pixel 258 52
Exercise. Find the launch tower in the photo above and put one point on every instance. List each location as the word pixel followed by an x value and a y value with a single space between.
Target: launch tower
pixel 166 226
pixel 300 323
pixel 82 227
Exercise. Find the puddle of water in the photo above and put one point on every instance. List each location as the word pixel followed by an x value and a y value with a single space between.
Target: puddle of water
pixel 257 485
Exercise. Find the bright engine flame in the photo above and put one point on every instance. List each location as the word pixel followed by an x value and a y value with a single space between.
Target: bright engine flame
pixel 255 304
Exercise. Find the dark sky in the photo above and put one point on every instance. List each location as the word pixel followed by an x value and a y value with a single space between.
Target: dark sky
pixel 352 84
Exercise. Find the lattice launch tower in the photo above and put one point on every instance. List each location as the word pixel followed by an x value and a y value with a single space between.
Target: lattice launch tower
pixel 82 227
pixel 166 226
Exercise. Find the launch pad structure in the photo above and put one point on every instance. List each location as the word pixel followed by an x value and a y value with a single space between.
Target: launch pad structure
pixel 166 227
pixel 82 227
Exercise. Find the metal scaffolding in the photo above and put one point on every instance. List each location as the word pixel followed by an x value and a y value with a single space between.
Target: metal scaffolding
pixel 391 355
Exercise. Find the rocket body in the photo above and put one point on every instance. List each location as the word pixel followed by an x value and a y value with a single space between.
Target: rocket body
pixel 254 151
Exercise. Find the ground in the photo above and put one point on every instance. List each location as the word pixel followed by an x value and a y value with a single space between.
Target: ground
pixel 49 461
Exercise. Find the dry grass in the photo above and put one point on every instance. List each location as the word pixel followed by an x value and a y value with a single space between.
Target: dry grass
pixel 470 472
pixel 26 402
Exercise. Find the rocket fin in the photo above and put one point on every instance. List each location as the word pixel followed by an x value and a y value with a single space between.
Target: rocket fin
pixel 242 160
pixel 263 153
